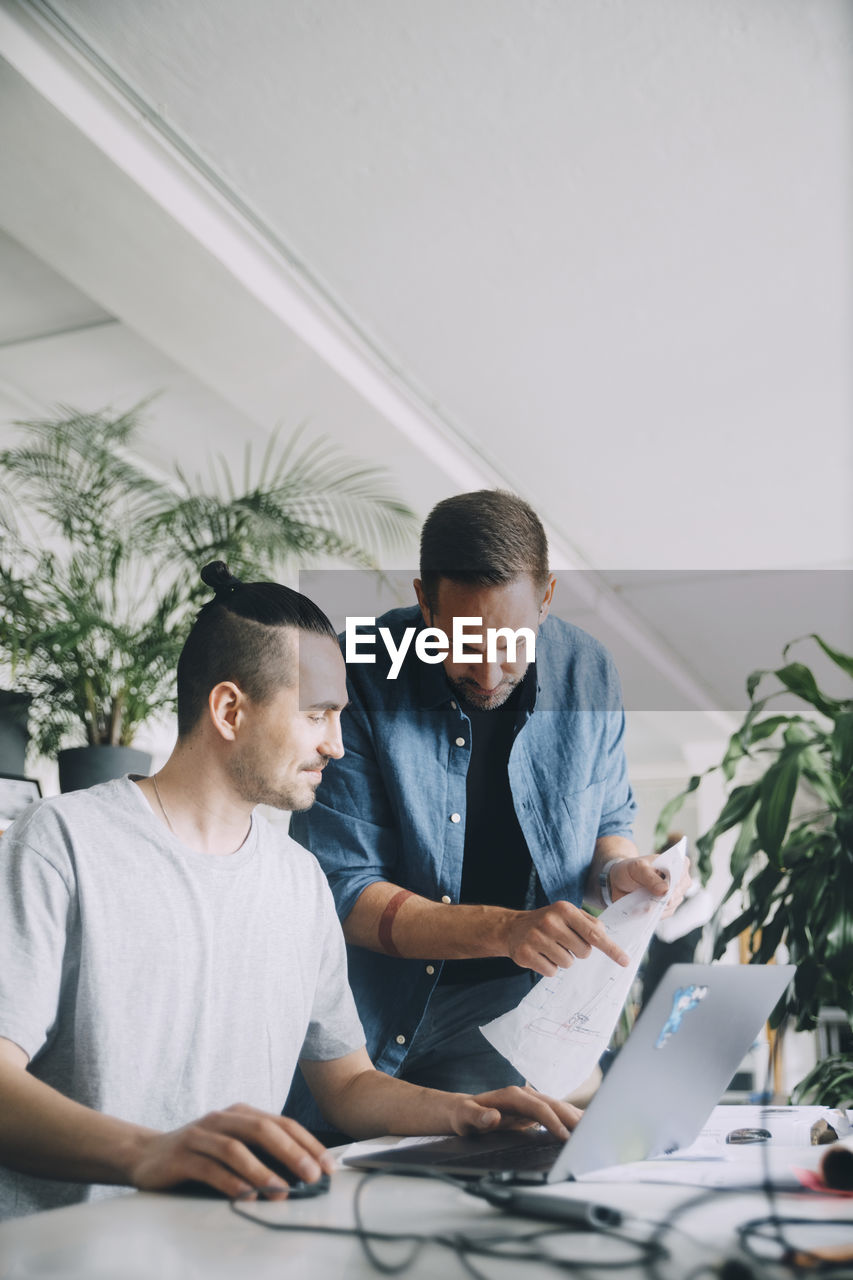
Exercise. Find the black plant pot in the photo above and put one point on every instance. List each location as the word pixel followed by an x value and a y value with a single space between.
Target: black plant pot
pixel 14 709
pixel 81 767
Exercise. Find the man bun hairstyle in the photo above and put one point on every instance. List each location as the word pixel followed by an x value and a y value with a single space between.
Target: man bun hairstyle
pixel 241 635
pixel 487 538
pixel 217 576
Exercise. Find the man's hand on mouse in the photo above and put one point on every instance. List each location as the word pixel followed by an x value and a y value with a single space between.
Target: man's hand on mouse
pixel 215 1150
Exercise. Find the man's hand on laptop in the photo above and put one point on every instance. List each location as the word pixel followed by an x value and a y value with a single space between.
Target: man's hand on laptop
pixel 514 1107
pixel 216 1150
pixel 638 873
pixel 552 937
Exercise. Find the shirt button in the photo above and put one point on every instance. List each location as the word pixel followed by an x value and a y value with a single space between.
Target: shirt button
pixel 445 898
pixel 430 969
pixel 401 1039
pixel 455 817
pixel 460 742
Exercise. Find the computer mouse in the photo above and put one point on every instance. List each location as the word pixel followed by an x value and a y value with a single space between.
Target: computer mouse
pixel 741 1136
pixel 297 1188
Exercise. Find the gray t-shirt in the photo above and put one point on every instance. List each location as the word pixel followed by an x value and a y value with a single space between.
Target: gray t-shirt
pixel 155 983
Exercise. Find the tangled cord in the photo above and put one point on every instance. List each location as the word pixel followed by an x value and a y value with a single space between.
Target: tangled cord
pixel 519 1247
pixel 649 1253
pixel 770 1229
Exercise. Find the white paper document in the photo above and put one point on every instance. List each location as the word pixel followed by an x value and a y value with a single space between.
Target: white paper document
pixel 776 1165
pixel 718 1159
pixel 742 1126
pixel 556 1035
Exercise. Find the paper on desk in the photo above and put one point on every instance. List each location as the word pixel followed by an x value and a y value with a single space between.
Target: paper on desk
pixel 775 1165
pixel 556 1035
pixel 787 1126
pixel 788 1159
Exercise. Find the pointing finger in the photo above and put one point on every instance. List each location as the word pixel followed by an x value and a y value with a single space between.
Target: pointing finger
pixel 597 936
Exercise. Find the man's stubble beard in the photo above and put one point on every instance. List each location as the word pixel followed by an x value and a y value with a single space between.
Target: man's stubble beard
pixel 471 693
pixel 254 787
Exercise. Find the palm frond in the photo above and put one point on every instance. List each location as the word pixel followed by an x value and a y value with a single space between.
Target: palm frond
pixel 76 473
pixel 306 498
pixel 93 629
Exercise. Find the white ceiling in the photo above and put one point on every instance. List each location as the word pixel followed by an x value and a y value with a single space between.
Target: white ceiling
pixel 621 231
pixel 597 252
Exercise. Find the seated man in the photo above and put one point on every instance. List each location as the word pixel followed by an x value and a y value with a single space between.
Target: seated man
pixel 166 953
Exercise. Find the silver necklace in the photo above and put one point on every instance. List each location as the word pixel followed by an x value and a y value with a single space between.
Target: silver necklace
pixel 160 802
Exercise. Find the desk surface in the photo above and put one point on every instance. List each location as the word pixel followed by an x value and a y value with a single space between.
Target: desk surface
pixel 138 1236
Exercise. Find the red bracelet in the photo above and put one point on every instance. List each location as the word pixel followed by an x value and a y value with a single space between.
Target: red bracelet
pixel 386 922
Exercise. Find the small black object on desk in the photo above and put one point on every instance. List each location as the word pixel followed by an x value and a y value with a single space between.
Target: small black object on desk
pixel 741 1136
pixel 297 1189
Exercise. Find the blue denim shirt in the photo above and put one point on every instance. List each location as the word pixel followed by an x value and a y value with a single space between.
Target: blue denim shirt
pixel 393 808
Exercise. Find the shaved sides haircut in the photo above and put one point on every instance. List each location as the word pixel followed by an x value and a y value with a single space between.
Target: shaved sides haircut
pixel 243 635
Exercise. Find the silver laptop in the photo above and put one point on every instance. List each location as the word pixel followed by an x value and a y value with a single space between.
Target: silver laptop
pixel 664 1083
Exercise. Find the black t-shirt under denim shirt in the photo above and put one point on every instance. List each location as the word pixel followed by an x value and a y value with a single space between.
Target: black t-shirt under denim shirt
pixel 496 864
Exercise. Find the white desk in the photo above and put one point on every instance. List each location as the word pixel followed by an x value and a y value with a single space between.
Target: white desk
pixel 161 1237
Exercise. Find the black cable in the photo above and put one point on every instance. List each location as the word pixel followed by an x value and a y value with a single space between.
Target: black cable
pixel 365 1236
pixel 237 1205
pixel 643 1251
pixel 754 1231
pixel 649 1253
pixel 768 1229
pixel 661 1229
pixel 504 1245
pixel 776 1221
pixel 765 1186
pixel 767 1179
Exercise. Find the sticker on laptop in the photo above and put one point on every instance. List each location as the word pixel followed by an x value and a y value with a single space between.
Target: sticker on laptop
pixel 685 999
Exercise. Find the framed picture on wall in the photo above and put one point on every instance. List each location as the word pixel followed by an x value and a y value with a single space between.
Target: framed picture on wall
pixel 16 794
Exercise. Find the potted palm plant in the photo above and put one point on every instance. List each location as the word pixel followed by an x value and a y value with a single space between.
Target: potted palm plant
pixel 99 565
pixel 14 731
pixel 792 861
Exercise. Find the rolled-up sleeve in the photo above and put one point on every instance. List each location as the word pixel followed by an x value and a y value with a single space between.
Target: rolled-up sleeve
pixel 618 804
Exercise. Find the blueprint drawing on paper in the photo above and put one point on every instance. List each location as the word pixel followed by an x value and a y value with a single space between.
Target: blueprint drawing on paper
pixel 556 1035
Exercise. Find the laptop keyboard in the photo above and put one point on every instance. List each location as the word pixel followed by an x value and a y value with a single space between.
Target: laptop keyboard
pixel 540 1155
pixel 527 1153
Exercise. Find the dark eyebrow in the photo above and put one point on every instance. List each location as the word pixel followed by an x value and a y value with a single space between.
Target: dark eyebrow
pixel 327 706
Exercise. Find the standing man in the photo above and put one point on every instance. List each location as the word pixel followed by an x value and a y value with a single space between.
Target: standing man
pixel 166 954
pixel 478 804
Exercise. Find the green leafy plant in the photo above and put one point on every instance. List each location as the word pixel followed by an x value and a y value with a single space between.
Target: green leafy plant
pixel 99 559
pixel 828 1084
pixel 791 864
pixel 302 503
